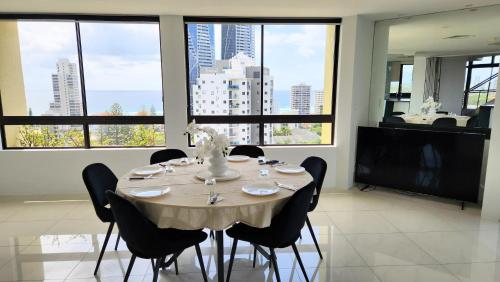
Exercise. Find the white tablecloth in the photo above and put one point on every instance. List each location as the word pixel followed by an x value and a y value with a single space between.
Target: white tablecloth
pixel 185 207
pixel 429 119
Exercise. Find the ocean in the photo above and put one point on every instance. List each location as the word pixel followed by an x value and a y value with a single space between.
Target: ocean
pixel 130 101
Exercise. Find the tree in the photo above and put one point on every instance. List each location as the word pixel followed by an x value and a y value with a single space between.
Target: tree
pixel 74 137
pixel 116 109
pixel 282 131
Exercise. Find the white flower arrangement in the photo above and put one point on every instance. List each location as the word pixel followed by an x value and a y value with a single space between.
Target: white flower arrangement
pixel 430 106
pixel 209 141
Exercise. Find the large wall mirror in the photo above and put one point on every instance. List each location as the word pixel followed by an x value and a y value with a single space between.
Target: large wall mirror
pixel 440 66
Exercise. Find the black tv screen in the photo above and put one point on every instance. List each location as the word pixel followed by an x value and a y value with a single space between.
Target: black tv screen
pixel 445 164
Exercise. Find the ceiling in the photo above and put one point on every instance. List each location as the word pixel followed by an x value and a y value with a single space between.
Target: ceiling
pixel 375 9
pixel 425 35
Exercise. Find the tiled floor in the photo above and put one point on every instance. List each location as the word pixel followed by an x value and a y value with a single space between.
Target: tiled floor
pixel 365 236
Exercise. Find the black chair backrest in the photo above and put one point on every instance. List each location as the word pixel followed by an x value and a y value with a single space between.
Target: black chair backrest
pixel 397 113
pixel 473 121
pixel 98 179
pixel 166 155
pixel 140 234
pixel 442 112
pixel 285 227
pixel 316 166
pixel 447 122
pixel 394 119
pixel 247 150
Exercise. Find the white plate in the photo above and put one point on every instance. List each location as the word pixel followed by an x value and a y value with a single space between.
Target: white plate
pixel 147 170
pixel 290 169
pixel 260 189
pixel 149 192
pixel 181 162
pixel 238 158
pixel 231 174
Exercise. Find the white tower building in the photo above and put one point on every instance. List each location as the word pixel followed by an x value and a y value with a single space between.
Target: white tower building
pixel 233 87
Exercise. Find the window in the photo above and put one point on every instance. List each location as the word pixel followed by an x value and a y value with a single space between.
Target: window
pixel 480 82
pixel 401 84
pixel 293 62
pixel 75 82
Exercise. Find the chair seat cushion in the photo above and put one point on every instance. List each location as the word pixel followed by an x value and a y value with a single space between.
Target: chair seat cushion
pixel 170 241
pixel 258 236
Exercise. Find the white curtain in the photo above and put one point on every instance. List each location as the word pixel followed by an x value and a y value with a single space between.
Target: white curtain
pixel 432 78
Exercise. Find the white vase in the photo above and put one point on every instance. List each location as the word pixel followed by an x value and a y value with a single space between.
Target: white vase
pixel 218 164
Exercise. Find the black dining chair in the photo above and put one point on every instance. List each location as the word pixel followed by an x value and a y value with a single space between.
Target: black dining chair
pixel 166 155
pixel 283 232
pixel 147 241
pixel 98 179
pixel 445 122
pixel 247 150
pixel 316 166
pixel 473 121
pixel 392 119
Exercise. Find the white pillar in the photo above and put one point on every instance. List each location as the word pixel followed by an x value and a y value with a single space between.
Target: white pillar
pixel 353 93
pixel 379 72
pixel 174 80
pixel 491 199
pixel 418 84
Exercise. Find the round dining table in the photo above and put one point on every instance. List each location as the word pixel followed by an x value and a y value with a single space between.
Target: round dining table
pixel 186 205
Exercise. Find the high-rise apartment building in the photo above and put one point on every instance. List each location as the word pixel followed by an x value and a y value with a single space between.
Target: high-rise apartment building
pixel 201 46
pixel 66 89
pixel 236 38
pixel 300 100
pixel 233 87
pixel 318 102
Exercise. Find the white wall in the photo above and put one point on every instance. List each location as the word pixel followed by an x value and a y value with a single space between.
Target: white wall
pixel 40 172
pixel 491 199
pixel 451 89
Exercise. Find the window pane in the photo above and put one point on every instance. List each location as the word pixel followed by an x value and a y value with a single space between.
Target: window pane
pixel 406 79
pixel 300 133
pixel 39 69
pixel 123 135
pixel 122 65
pixel 297 57
pixel 482 60
pixel 238 134
pixel 224 69
pixel 27 136
pixel 497 59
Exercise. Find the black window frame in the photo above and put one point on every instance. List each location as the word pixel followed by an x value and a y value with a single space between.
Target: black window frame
pixel 469 67
pixel 262 119
pixel 85 121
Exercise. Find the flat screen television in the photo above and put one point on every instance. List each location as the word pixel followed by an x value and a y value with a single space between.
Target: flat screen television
pixel 444 164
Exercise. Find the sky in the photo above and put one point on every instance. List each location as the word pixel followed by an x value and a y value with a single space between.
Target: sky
pixel 293 53
pixel 121 56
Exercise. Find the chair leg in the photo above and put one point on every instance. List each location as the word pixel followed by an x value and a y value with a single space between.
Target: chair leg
pixel 129 268
pixel 176 267
pixel 156 269
pixel 110 229
pixel 314 237
pixel 275 264
pixel 254 256
pixel 212 236
pixel 117 241
pixel 200 260
pixel 231 259
pixel 297 255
